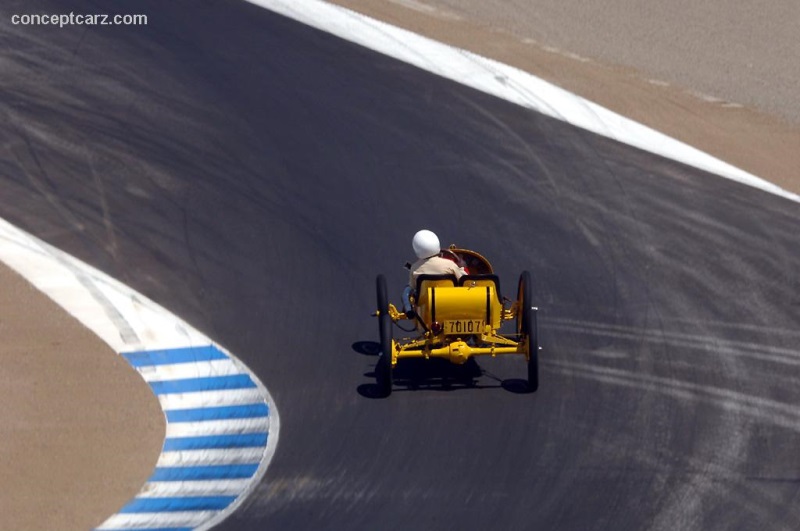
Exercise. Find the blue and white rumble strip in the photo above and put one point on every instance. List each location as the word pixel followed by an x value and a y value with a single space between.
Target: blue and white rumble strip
pixel 221 423
pixel 218 427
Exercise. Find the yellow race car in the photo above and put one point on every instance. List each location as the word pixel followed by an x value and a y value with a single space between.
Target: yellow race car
pixel 457 319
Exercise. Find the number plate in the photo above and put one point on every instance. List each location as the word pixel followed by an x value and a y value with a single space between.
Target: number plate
pixel 463 326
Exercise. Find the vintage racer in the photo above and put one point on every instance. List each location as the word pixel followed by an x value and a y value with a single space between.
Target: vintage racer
pixel 457 319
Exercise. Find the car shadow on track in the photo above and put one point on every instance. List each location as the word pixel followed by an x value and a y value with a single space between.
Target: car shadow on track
pixel 434 374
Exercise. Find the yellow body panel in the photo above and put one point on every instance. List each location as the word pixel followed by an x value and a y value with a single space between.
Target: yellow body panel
pixel 441 303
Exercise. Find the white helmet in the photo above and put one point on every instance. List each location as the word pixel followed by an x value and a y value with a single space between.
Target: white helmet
pixel 426 244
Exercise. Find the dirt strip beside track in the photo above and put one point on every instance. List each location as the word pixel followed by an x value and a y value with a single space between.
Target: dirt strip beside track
pixel 80 431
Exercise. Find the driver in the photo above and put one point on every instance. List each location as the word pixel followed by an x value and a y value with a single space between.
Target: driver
pixel 429 262
pixel 426 247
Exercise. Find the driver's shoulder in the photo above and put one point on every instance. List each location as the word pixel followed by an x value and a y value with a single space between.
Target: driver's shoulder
pixel 432 266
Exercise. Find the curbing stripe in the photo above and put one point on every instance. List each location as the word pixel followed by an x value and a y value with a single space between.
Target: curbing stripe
pixel 217 413
pixel 150 529
pixel 177 504
pixel 212 383
pixel 184 371
pixel 188 520
pixel 208 442
pixel 218 427
pixel 209 399
pixel 223 487
pixel 224 456
pixel 175 355
pixel 197 473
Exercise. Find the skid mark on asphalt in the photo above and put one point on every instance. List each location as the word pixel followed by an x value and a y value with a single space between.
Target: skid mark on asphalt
pixel 781 414
pixel 702 343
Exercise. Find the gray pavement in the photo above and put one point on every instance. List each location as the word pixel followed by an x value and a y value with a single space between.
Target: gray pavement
pixel 258 195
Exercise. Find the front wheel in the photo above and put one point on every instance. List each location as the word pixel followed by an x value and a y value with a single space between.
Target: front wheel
pixel 383 369
pixel 528 329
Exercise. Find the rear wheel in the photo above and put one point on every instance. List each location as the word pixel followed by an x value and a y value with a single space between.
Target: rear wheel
pixel 383 369
pixel 528 329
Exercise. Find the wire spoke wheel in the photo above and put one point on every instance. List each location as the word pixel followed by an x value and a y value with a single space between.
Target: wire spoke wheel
pixel 527 328
pixel 383 369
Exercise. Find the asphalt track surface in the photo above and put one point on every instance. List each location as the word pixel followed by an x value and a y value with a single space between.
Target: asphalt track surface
pixel 254 175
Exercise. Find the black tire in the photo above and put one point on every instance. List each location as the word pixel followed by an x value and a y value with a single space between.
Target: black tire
pixel 383 369
pixel 527 327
